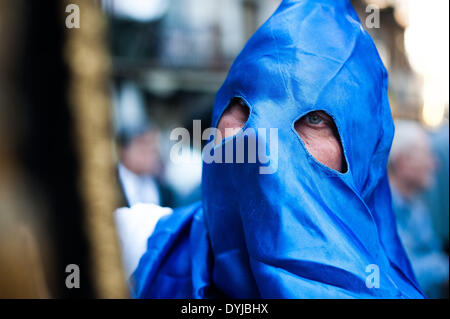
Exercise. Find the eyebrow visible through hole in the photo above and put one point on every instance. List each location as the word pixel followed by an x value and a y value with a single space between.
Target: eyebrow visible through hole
pixel 321 138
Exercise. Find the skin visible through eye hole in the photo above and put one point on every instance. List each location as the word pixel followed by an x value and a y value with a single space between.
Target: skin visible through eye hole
pixel 232 120
pixel 316 129
pixel 319 134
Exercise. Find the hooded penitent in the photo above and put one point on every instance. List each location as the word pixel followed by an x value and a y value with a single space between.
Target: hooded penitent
pixel 304 231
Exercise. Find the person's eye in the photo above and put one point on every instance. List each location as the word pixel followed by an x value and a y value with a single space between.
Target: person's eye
pixel 314 119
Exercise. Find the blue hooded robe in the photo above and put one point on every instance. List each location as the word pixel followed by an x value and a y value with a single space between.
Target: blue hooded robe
pixel 305 231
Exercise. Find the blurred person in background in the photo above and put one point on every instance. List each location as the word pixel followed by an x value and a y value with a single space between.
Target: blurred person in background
pixel 139 171
pixel 140 167
pixel 411 167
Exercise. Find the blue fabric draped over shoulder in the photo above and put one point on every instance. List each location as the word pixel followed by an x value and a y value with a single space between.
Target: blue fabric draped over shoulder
pixel 302 230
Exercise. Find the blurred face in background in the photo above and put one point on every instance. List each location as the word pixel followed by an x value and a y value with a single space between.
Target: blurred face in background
pixel 141 155
pixel 415 166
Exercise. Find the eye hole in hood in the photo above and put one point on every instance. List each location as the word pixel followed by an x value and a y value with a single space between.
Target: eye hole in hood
pixel 321 138
pixel 232 120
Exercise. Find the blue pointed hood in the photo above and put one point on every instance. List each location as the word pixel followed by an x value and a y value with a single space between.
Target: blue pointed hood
pixel 305 230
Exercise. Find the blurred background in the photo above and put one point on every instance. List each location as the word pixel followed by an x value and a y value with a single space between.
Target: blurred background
pixel 86 116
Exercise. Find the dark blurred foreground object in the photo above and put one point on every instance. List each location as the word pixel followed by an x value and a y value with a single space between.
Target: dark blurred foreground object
pixel 23 249
pixel 57 189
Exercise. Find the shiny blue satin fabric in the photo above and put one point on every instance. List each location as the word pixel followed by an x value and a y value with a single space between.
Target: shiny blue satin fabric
pixel 305 231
